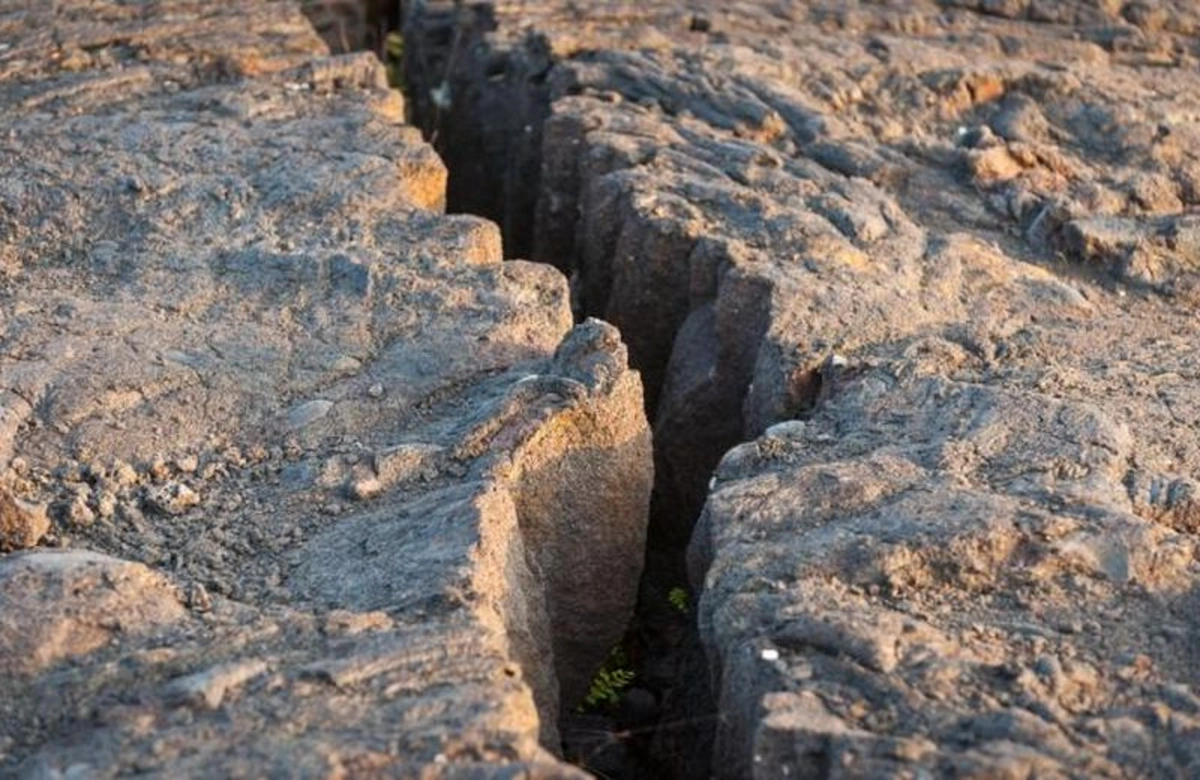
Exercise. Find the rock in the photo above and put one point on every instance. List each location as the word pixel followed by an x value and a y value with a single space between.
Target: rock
pixel 171 498
pixel 124 475
pixel 106 504
pixel 78 514
pixel 207 689
pixel 343 621
pixel 56 606
pixel 504 529
pixel 308 413
pixel 220 244
pixel 708 305
pixel 984 212
pixel 914 280
pixel 977 506
pixel 22 523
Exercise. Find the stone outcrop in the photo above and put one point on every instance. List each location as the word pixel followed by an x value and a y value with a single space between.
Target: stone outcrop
pixel 939 571
pixel 948 247
pixel 333 490
pixel 297 477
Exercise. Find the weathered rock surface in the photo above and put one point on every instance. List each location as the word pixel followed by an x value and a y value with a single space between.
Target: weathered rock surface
pixel 61 605
pixel 341 493
pixel 22 524
pixel 940 571
pixel 957 241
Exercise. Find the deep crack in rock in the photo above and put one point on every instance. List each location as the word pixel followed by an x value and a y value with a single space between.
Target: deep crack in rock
pixel 820 226
pixel 909 286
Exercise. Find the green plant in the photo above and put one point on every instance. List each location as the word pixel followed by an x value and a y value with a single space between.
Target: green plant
pixel 679 599
pixel 393 51
pixel 609 682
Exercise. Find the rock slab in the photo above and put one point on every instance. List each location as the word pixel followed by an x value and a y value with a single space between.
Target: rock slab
pixel 318 465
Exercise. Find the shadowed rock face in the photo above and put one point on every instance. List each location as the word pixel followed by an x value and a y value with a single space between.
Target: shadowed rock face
pixel 950 246
pixel 341 493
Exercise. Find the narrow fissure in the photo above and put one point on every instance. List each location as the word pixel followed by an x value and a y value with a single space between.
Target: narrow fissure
pixel 650 712
pixel 483 113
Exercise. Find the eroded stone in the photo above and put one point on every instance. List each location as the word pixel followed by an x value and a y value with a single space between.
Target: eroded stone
pixel 228 289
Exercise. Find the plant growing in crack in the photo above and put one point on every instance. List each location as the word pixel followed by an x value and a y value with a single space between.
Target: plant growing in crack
pixel 393 49
pixel 679 599
pixel 609 682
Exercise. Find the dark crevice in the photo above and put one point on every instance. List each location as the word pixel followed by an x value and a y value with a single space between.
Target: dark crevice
pixel 347 26
pixel 484 102
pixel 483 112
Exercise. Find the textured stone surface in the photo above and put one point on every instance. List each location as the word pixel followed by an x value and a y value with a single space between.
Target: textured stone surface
pixel 937 570
pixel 61 605
pixel 955 242
pixel 323 466
pixel 743 188
pixel 22 524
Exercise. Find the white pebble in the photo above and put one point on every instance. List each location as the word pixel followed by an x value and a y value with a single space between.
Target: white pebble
pixel 308 413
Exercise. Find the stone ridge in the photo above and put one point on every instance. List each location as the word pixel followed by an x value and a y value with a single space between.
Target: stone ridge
pixel 301 478
pixel 950 248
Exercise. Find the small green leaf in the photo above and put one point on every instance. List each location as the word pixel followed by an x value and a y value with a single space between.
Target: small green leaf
pixel 394 45
pixel 609 682
pixel 679 599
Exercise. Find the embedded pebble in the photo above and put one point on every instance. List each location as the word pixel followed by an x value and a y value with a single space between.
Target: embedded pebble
pixel 308 413
pixel 22 523
pixel 171 498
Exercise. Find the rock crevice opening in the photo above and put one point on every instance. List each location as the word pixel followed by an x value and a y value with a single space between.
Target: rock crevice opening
pixel 888 248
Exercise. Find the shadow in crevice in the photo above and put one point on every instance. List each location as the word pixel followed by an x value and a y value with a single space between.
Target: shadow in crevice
pixel 353 25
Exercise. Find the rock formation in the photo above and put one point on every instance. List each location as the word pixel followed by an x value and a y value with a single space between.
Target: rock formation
pixel 936 262
pixel 299 477
pixel 334 491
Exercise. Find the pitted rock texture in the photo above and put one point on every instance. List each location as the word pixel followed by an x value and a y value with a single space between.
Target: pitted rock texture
pixel 954 240
pixel 333 490
pixel 942 571
pixel 743 188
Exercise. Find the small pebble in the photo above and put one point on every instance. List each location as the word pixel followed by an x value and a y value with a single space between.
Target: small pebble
pixel 308 413
pixel 172 498
pixel 159 470
pixel 79 514
pixel 198 598
pixel 362 489
pixel 106 504
pixel 123 474
pixel 22 524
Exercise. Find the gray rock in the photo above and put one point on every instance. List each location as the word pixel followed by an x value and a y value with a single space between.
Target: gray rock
pixel 218 245
pixel 64 605
pixel 22 524
pixel 207 689
pixel 921 539
pixel 171 498
pixel 984 213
